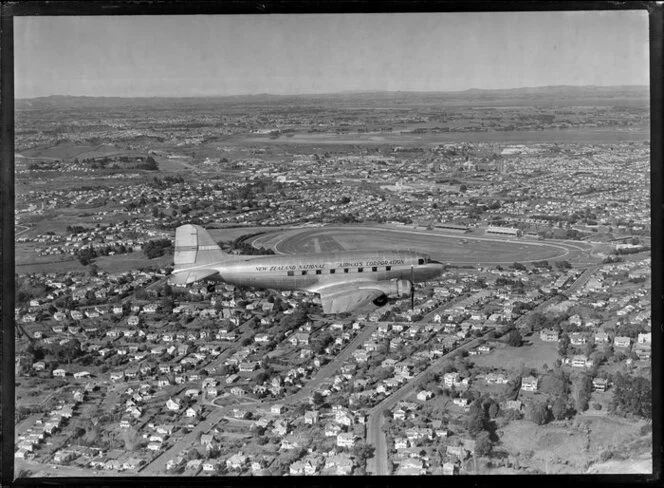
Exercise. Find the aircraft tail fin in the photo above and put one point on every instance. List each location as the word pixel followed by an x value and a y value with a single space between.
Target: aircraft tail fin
pixel 193 245
pixel 194 251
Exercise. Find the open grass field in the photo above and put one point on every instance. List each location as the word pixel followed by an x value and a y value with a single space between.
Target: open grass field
pixel 168 165
pixel 563 448
pixel 132 261
pixel 68 150
pixel 442 247
pixel 61 151
pixel 28 262
pixel 534 354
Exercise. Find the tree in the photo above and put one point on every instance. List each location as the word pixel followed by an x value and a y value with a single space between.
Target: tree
pixel 538 321
pixel 363 451
pixel 538 412
pixel 483 445
pixel 563 344
pixel 514 338
pixel 583 389
pixel 631 396
pixel 317 399
pixel 559 409
pixel 555 384
pixel 476 420
pixel 493 410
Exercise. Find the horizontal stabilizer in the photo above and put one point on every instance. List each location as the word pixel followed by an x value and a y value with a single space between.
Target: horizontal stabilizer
pixel 189 276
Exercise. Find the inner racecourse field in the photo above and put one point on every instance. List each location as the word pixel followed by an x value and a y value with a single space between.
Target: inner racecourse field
pixel 448 248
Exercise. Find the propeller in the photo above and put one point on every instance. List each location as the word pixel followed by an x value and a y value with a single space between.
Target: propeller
pixel 412 288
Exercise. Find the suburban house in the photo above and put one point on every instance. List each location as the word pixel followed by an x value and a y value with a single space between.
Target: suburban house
pixel 529 383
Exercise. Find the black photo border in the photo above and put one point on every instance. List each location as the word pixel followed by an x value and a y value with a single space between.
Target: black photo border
pixel 11 9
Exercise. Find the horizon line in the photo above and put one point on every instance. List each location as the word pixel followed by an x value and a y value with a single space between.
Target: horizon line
pixel 344 92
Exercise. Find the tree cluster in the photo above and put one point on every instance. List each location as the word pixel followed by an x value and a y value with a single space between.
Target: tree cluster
pixel 157 248
pixel 632 395
pixel 480 424
pixel 78 229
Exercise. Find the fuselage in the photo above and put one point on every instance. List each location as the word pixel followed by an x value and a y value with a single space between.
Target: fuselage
pixel 312 271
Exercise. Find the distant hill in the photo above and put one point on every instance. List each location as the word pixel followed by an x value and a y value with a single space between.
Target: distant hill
pixel 547 95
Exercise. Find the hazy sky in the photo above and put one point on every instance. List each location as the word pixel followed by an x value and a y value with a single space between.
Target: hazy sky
pixel 324 53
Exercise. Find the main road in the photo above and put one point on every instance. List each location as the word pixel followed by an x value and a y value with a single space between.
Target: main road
pixel 375 436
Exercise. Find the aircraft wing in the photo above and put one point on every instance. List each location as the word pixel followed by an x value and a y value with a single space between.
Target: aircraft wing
pixel 346 297
pixel 189 276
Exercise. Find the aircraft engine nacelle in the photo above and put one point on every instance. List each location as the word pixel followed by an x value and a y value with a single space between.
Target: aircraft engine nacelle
pixel 400 288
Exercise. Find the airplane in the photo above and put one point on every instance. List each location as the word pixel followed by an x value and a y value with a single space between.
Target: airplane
pixel 344 280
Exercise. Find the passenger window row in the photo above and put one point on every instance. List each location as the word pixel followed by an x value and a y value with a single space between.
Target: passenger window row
pixel 374 269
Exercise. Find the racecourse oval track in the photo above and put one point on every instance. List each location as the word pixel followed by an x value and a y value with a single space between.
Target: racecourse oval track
pixel 447 248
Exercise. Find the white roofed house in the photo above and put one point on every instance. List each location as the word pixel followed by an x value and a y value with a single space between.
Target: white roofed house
pixel 581 361
pixel 621 342
pixel 411 466
pixel 248 366
pixel 600 384
pixel 207 440
pixel 549 335
pixel 450 378
pixel 311 417
pixel 60 372
pixel 262 338
pixel 173 405
pixel 601 337
pixel 450 469
pixel 644 338
pixel 461 402
pixel 529 383
pixel 424 395
pixel 401 443
pixel 236 461
pixel 192 412
pixel 332 430
pixel 346 439
pixel 339 464
pixel 578 339
pixel 496 379
pixel 344 418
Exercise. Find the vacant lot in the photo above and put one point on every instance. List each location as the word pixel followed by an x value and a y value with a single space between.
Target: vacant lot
pixel 534 354
pixel 132 261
